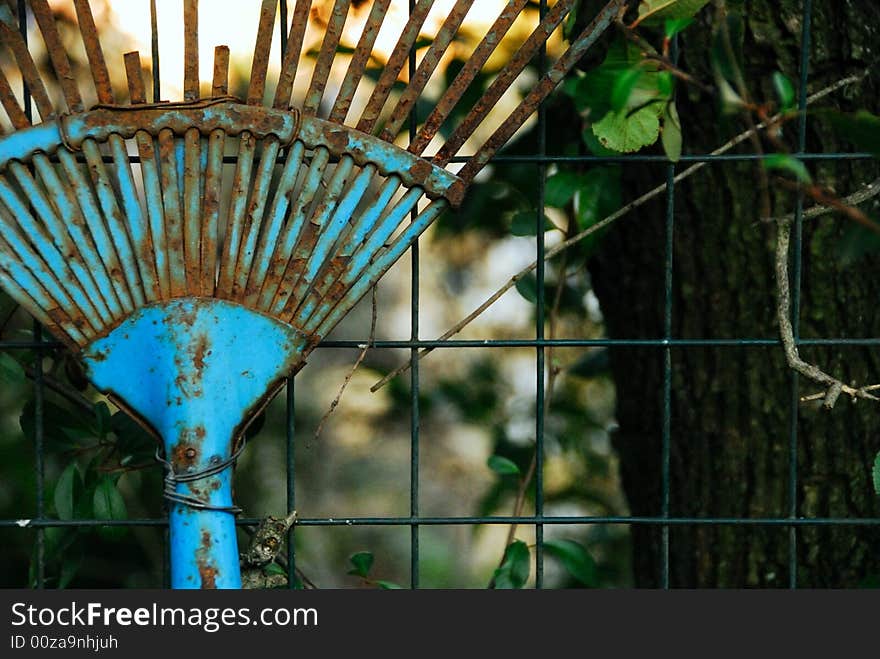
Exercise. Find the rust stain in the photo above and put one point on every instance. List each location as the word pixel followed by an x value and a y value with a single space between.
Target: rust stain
pixel 200 351
pixel 207 570
pixel 185 454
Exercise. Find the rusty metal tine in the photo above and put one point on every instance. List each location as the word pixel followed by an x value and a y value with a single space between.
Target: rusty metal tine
pixel 261 52
pixel 13 110
pixel 292 55
pixel 502 82
pixel 325 59
pixel 19 246
pixel 220 85
pixel 359 61
pixel 192 209
pixel 10 35
pixel 213 180
pixel 95 54
pixel 466 76
pixel 241 184
pixel 360 228
pixel 170 194
pixel 27 291
pixel 136 91
pixel 58 55
pixel 323 255
pixel 56 255
pixel 319 224
pixel 539 92
pixel 292 229
pixel 191 50
pixel 364 273
pixel 394 66
pixel 426 68
pixel 271 232
pixel 254 217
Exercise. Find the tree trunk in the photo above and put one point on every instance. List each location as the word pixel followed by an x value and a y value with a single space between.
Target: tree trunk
pixel 731 407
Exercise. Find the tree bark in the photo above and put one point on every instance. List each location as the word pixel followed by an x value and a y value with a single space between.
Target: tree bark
pixel 731 407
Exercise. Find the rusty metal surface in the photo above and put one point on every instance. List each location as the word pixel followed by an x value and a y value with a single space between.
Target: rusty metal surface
pixel 319 209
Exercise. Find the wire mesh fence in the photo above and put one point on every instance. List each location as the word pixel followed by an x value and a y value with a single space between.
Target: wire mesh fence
pixel 666 346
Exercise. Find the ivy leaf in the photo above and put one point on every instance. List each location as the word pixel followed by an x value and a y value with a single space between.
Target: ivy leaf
pixel 109 505
pixel 861 128
pixel 790 164
pixel 628 133
pixel 784 91
pixel 576 560
pixel 514 570
pixel 389 585
pixel 68 491
pixel 524 224
pixel 656 12
pixel 502 466
pixel 671 135
pixel 362 562
pixel 875 473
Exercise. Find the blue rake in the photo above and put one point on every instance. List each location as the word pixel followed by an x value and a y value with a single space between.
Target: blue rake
pixel 189 307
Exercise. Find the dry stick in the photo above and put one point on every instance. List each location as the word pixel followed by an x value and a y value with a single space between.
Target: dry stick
pixel 351 373
pixel 834 387
pixel 656 192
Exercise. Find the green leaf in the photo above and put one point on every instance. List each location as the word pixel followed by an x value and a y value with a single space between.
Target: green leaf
pixel 389 585
pixel 594 364
pixel 514 570
pixel 623 88
pixel 528 288
pixel 102 419
pixel 674 26
pixel 560 188
pixel 525 223
pixel 875 473
pixel 784 91
pixel 626 134
pixel 856 242
pixel 861 128
pixel 70 565
pixel 575 558
pixel 502 466
pixel 11 372
pixel 656 12
pixel 362 562
pixel 68 491
pixel 671 135
pixel 274 568
pixel 731 102
pixel 109 505
pixel 790 164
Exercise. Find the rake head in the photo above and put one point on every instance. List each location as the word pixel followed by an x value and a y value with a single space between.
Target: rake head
pixel 162 280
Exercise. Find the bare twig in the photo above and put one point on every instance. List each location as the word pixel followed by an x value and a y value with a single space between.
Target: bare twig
pixel 351 373
pixel 589 231
pixel 870 191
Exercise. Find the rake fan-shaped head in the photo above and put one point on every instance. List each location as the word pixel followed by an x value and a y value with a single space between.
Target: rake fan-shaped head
pixel 190 304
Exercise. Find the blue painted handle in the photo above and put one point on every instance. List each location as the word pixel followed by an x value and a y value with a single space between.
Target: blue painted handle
pixel 188 369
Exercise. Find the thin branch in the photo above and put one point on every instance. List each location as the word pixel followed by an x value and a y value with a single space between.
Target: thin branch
pixel 60 388
pixel 648 196
pixel 353 370
pixel 870 191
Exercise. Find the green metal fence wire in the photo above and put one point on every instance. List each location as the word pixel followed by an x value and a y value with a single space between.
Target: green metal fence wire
pixel 665 345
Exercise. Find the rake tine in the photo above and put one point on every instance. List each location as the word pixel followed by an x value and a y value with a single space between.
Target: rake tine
pixel 318 226
pixel 358 232
pixel 13 110
pixel 502 83
pixel 426 68
pixel 58 55
pixel 466 76
pixel 95 54
pixel 10 35
pixel 39 237
pixel 171 195
pixel 253 217
pixel 292 55
pixel 241 183
pixel 214 179
pixel 191 50
pixel 394 66
pixel 540 91
pixel 359 60
pixel 140 227
pixel 325 58
pixel 272 286
pixel 271 232
pixel 261 52
pixel 359 282
pixel 360 259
